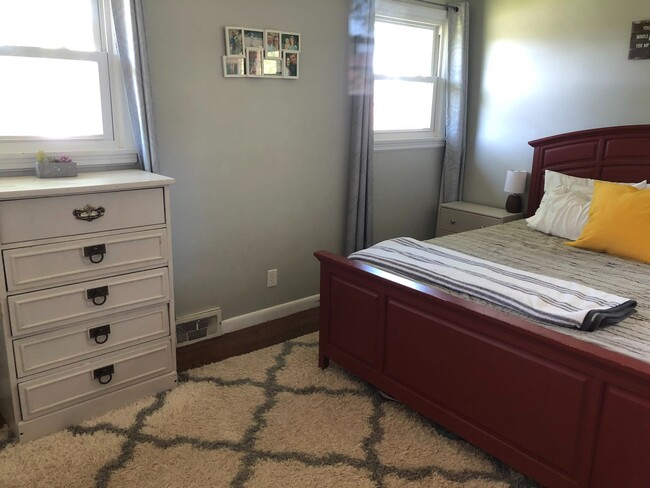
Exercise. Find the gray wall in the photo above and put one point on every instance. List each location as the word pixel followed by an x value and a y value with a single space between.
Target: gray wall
pixel 544 67
pixel 260 165
pixel 407 184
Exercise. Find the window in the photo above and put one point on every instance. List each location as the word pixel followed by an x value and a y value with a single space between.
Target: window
pixel 61 89
pixel 408 60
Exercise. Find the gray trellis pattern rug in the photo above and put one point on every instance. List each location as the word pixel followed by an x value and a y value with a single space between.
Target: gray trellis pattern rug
pixel 270 418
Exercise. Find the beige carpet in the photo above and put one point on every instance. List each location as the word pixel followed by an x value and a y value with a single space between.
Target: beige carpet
pixel 266 419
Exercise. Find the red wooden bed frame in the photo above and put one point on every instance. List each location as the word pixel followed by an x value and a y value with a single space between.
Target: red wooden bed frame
pixel 564 412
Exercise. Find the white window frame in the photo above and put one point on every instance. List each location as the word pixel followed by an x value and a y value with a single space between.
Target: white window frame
pixel 401 13
pixel 116 146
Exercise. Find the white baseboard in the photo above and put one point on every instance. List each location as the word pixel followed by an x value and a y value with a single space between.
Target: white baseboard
pixel 271 313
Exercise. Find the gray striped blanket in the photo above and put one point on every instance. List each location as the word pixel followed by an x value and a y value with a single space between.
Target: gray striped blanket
pixel 542 298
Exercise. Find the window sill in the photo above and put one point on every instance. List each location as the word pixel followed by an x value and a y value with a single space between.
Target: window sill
pixel 408 144
pixel 21 163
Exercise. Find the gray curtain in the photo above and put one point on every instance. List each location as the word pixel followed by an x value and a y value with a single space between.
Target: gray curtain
pixel 453 165
pixel 361 79
pixel 129 29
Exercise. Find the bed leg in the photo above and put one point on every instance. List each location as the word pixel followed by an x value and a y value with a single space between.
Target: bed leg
pixel 323 361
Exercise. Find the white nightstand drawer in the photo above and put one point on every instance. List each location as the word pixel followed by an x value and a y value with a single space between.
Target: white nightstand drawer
pixel 46 309
pixel 51 350
pixel 456 217
pixel 84 259
pixel 458 221
pixel 40 218
pixel 52 392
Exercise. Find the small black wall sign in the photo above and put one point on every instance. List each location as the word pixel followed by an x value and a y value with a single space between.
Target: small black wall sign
pixel 640 40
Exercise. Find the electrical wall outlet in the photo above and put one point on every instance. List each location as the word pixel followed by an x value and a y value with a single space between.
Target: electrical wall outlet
pixel 271 278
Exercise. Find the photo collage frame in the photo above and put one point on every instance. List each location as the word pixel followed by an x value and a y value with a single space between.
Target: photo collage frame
pixel 261 53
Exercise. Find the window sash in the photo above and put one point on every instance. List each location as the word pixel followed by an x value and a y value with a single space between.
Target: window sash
pixel 97 13
pixel 116 147
pixel 427 132
pixel 436 28
pixel 392 138
pixel 101 58
pixel 423 79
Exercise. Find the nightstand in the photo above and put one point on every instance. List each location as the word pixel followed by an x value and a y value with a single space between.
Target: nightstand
pixel 456 217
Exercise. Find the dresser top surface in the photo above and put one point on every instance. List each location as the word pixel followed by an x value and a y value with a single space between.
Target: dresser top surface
pixel 14 187
pixel 480 209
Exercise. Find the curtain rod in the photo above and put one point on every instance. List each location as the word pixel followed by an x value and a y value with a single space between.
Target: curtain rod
pixel 438 4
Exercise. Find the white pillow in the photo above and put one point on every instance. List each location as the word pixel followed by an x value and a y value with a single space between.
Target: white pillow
pixel 553 180
pixel 564 208
pixel 563 212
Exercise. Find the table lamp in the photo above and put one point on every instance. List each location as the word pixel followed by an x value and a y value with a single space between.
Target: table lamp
pixel 515 185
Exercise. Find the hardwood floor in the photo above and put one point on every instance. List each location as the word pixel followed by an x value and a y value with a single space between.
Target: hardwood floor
pixel 246 340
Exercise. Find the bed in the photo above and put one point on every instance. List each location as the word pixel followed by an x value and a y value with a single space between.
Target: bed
pixel 565 411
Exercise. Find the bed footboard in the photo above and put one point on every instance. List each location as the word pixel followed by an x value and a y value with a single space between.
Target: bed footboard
pixel 564 413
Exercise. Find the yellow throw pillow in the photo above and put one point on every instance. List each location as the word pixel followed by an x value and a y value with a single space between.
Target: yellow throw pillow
pixel 619 222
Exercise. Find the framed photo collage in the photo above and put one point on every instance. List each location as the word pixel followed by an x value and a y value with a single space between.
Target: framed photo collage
pixel 261 53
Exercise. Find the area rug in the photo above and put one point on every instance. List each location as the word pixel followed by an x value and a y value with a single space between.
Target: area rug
pixel 270 418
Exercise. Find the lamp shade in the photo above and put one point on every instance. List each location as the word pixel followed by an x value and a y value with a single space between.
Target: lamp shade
pixel 515 181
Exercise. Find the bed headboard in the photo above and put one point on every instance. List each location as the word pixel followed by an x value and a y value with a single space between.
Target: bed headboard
pixel 610 153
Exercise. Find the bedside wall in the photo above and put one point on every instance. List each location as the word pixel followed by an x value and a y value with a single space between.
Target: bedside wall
pixel 407 184
pixel 544 67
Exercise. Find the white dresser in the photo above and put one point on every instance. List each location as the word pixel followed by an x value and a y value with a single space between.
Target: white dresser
pixel 87 297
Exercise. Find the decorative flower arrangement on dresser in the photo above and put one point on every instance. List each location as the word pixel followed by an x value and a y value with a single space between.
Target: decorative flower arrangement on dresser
pixel 87 301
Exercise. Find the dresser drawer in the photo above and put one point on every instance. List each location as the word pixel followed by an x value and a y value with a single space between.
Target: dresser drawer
pixel 458 221
pixel 46 309
pixel 84 259
pixel 43 395
pixel 65 346
pixel 40 218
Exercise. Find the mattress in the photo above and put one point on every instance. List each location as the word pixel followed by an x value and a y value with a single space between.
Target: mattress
pixel 515 244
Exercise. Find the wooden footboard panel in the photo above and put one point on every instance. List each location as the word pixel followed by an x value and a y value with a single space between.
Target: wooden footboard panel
pixel 565 413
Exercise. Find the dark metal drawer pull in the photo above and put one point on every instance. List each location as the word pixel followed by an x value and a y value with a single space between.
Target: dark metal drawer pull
pixel 88 213
pixel 101 374
pixel 453 221
pixel 100 334
pixel 95 253
pixel 97 295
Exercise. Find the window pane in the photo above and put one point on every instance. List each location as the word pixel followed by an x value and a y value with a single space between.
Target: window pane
pixel 402 105
pixel 48 24
pixel 403 50
pixel 49 97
